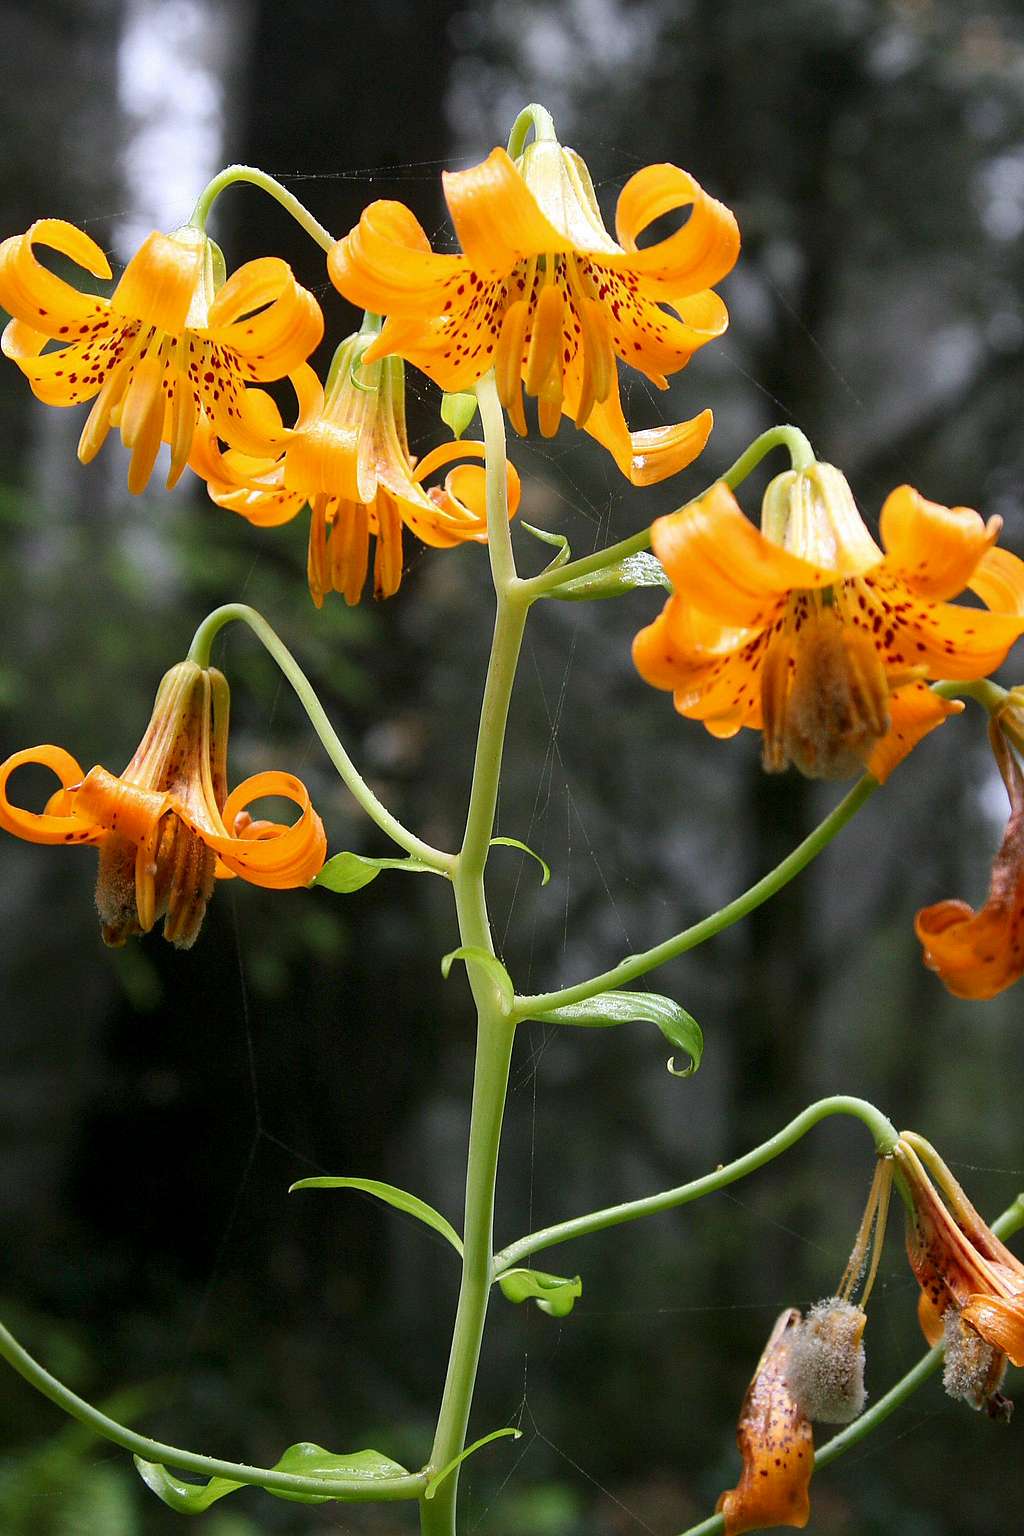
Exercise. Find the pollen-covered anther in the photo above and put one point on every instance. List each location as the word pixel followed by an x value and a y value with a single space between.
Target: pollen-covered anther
pixel 825 1364
pixel 973 1369
pixel 824 696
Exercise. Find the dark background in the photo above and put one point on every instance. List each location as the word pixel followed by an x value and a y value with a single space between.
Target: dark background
pixel 154 1107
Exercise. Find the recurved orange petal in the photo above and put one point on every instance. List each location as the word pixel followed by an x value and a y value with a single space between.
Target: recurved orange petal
pixel 696 256
pixel 60 822
pixel 290 858
pixel 1000 1321
pixel 385 264
pixel 38 297
pixel 998 580
pixel 719 561
pixel 496 216
pixel 268 318
pixel 932 548
pixel 652 454
pixel 158 284
pixel 914 710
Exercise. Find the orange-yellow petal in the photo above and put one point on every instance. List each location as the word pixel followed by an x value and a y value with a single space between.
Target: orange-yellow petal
pixel 999 581
pixel 290 858
pixel 914 710
pixel 648 456
pixel 385 264
pixel 38 297
pixel 268 318
pixel 777 1446
pixel 158 284
pixel 946 639
pixel 696 256
pixel 496 216
pixel 932 548
pixel 60 822
pixel 720 562
pixel 1000 1321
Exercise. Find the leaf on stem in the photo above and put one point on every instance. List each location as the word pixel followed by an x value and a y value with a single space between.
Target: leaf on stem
pixel 639 570
pixel 513 842
pixel 472 953
pixel 496 1434
pixel 554 1294
pixel 607 1008
pixel 559 540
pixel 400 1199
pixel 348 872
pixel 302 1460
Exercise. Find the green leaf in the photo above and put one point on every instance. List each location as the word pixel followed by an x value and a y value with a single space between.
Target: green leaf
pixel 478 1445
pixel 458 410
pixel 490 963
pixel 639 570
pixel 302 1460
pixel 559 540
pixel 348 872
pixel 554 1294
pixel 513 842
pixel 679 1027
pixel 391 1195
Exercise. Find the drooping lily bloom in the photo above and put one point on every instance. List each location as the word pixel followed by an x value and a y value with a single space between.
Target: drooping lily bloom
pixel 174 343
pixel 543 295
pixel 972 1286
pixel 348 457
pixel 166 827
pixel 980 954
pixel 807 631
pixel 776 1442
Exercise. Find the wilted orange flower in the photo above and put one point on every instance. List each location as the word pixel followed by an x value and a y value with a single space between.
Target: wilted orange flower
pixel 776 1442
pixel 167 826
pixel 972 1286
pixel 170 347
pixel 348 457
pixel 980 954
pixel 808 632
pixel 544 296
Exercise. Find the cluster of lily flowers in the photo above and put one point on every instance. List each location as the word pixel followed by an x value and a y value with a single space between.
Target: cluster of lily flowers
pixel 971 1300
pixel 805 629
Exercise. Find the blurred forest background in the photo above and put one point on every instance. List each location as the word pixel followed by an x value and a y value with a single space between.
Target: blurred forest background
pixel 154 1107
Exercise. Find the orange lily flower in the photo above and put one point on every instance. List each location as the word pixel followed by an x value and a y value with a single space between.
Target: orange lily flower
pixel 980 954
pixel 972 1286
pixel 167 826
pixel 348 457
pixel 169 348
pixel 808 632
pixel 776 1442
pixel 544 296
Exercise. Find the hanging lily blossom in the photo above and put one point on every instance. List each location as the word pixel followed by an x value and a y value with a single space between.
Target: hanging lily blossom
pixel 978 954
pixel 972 1286
pixel 808 632
pixel 348 458
pixel 174 345
pixel 776 1442
pixel 543 295
pixel 166 826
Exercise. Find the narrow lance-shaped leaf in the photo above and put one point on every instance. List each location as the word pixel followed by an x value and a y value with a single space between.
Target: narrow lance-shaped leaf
pixel 559 540
pixel 400 1199
pixel 607 1008
pixel 302 1460
pixel 490 963
pixel 348 872
pixel 554 1294
pixel 514 842
pixel 639 570
pixel 471 1450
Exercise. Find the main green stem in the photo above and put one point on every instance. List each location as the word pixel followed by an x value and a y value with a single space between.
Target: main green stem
pixel 494 1029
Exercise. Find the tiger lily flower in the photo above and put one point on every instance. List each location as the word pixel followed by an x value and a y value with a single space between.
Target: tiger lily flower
pixel 543 295
pixel 972 1286
pixel 776 1442
pixel 979 954
pixel 348 457
pixel 808 632
pixel 166 827
pixel 173 345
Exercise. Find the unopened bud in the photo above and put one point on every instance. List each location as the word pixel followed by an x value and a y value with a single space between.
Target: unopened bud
pixel 458 410
pixel 825 1366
